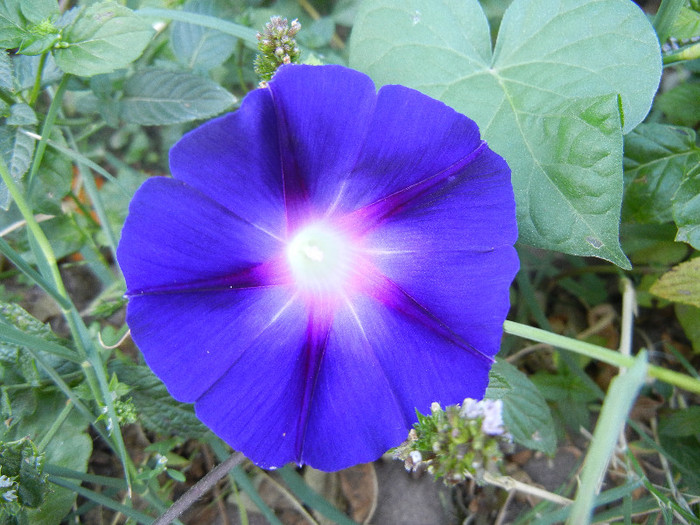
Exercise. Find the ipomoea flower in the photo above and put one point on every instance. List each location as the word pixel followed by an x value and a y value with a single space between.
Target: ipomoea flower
pixel 324 261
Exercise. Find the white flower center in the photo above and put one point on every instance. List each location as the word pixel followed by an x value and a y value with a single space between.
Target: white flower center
pixel 319 257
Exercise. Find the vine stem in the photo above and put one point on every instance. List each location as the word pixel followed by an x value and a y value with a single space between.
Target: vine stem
pixel 199 489
pixel 606 355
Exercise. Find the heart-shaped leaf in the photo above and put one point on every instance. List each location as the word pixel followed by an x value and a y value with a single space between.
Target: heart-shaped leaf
pixel 544 97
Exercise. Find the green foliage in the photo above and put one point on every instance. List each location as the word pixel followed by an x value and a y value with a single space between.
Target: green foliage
pixel 23 480
pixel 22 22
pixel 157 97
pixel 202 48
pixel 657 158
pixel 681 284
pixel 16 149
pixel 525 412
pixel 543 99
pixel 686 209
pixel 156 408
pixel 101 38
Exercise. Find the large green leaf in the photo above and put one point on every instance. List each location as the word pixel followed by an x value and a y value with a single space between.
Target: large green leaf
pixel 200 47
pixel 526 414
pixel 657 157
pixel 542 97
pixel 154 97
pixel 102 37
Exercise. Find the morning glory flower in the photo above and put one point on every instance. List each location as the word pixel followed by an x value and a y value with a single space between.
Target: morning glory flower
pixel 323 262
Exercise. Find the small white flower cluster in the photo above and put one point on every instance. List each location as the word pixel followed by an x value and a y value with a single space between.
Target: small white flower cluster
pixel 490 409
pixel 7 495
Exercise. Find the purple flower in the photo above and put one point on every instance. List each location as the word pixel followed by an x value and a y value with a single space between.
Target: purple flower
pixel 324 261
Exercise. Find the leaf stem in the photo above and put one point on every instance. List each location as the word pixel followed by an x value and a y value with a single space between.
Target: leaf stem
pixel 601 354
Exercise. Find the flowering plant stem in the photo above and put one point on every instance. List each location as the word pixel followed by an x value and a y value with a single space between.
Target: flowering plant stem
pixel 601 354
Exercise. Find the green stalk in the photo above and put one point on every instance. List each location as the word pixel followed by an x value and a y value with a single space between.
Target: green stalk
pixel 46 132
pixel 27 270
pixel 51 432
pixel 37 81
pixel 665 17
pixel 601 354
pixel 248 35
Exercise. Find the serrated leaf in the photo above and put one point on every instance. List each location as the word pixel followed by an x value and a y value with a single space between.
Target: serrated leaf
pixel 156 408
pixel 681 284
pixel 6 75
pixel 16 149
pixel 70 447
pixel 21 460
pixel 12 24
pixel 549 55
pixel 103 37
pixel 525 412
pixel 21 115
pixel 657 157
pixel 156 97
pixel 200 47
pixel 18 19
pixel 686 209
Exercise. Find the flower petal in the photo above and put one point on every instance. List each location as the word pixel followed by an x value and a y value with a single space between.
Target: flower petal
pixel 379 368
pixel 256 405
pixel 191 339
pixel 355 415
pixel 411 138
pixel 174 235
pixel 323 115
pixel 235 160
pixel 451 251
pixel 467 297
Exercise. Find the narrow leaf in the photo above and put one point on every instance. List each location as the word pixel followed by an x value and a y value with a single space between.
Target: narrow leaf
pixel 621 395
